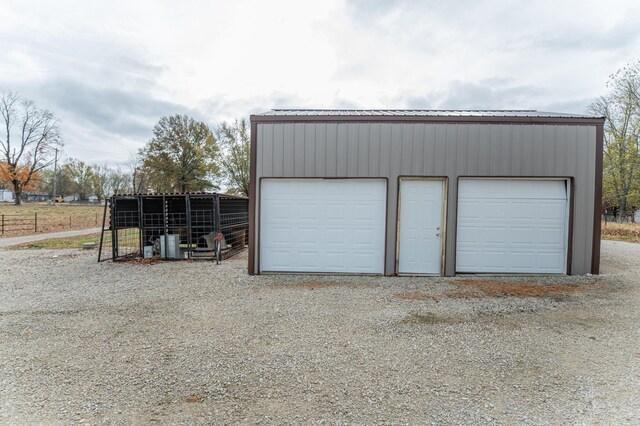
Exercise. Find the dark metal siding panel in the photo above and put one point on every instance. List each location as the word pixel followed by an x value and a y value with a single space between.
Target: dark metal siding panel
pixel 440 149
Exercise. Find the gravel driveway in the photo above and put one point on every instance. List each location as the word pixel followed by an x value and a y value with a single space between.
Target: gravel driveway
pixel 196 343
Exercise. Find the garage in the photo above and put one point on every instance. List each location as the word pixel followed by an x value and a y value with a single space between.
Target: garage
pixel 322 225
pixel 512 225
pixel 425 192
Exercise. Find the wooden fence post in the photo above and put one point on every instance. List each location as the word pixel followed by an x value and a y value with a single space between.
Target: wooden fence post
pixel 35 222
pixel 2 224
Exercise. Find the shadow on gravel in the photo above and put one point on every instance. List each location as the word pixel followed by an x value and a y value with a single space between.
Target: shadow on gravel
pixel 479 288
pixel 313 285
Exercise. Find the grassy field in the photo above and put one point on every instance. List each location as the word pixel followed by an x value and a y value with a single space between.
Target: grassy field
pixel 61 243
pixel 20 220
pixel 621 231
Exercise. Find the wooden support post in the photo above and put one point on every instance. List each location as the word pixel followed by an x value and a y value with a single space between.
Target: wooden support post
pixel 35 222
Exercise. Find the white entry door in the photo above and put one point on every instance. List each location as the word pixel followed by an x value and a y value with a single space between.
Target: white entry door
pixel 512 225
pixel 421 226
pixel 322 225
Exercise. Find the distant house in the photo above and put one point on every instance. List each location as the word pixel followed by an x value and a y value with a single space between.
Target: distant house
pixel 6 195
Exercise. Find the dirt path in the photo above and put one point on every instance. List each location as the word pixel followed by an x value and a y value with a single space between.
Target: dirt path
pixel 8 242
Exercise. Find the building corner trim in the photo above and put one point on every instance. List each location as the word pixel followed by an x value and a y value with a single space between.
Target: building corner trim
pixel 252 198
pixel 597 203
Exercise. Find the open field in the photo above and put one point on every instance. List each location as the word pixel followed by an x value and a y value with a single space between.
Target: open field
pixel 20 220
pixel 199 343
pixel 621 231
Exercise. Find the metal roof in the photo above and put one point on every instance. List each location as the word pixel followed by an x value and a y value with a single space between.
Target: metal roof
pixel 524 113
pixel 181 194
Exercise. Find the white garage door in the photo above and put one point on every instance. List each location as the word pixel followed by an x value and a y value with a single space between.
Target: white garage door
pixel 322 225
pixel 512 226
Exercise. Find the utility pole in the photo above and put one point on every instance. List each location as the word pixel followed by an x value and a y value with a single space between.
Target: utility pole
pixel 55 176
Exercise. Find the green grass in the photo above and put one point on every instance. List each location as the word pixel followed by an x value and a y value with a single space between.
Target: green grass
pixel 60 243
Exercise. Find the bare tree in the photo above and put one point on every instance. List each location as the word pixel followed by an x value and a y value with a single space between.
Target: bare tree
pixel 29 137
pixel 101 174
pixel 137 174
pixel 119 182
pixel 235 142
pixel 621 163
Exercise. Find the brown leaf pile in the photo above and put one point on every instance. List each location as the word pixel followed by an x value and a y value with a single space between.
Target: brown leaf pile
pixel 468 288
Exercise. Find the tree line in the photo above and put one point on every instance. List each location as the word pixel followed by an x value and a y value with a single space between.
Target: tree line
pixel 621 161
pixel 184 155
pixel 187 155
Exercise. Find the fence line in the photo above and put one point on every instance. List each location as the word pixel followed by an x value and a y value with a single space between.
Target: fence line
pixel 20 223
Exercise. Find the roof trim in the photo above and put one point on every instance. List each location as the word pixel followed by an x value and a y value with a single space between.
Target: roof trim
pixel 584 120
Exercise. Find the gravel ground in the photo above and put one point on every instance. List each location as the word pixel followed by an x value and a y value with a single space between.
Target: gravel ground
pixel 196 343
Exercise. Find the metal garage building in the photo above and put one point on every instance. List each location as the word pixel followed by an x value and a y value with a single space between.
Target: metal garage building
pixel 425 192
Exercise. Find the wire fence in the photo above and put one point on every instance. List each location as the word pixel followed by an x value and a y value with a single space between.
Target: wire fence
pixel 174 226
pixel 621 217
pixel 21 224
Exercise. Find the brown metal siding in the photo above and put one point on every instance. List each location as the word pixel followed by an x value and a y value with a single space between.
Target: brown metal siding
pixel 385 149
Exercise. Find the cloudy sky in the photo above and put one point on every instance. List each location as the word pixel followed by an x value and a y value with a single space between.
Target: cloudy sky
pixel 111 69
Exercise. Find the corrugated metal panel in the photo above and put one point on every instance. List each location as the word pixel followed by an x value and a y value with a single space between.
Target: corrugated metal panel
pixel 420 113
pixel 391 150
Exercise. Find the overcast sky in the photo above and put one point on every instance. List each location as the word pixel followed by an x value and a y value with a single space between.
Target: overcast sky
pixel 111 69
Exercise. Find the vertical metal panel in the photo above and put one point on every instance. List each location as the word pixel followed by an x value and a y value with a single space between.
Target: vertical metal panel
pixel 343 148
pixel 352 149
pixel 266 149
pixel 440 150
pixel 385 149
pixel 436 149
pixel 396 150
pixel 374 151
pixel 417 149
pixel 321 148
pixel 364 149
pixel 331 162
pixel 428 158
pixel 289 151
pixel 310 150
pixel 298 154
pixel 406 148
pixel 278 149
